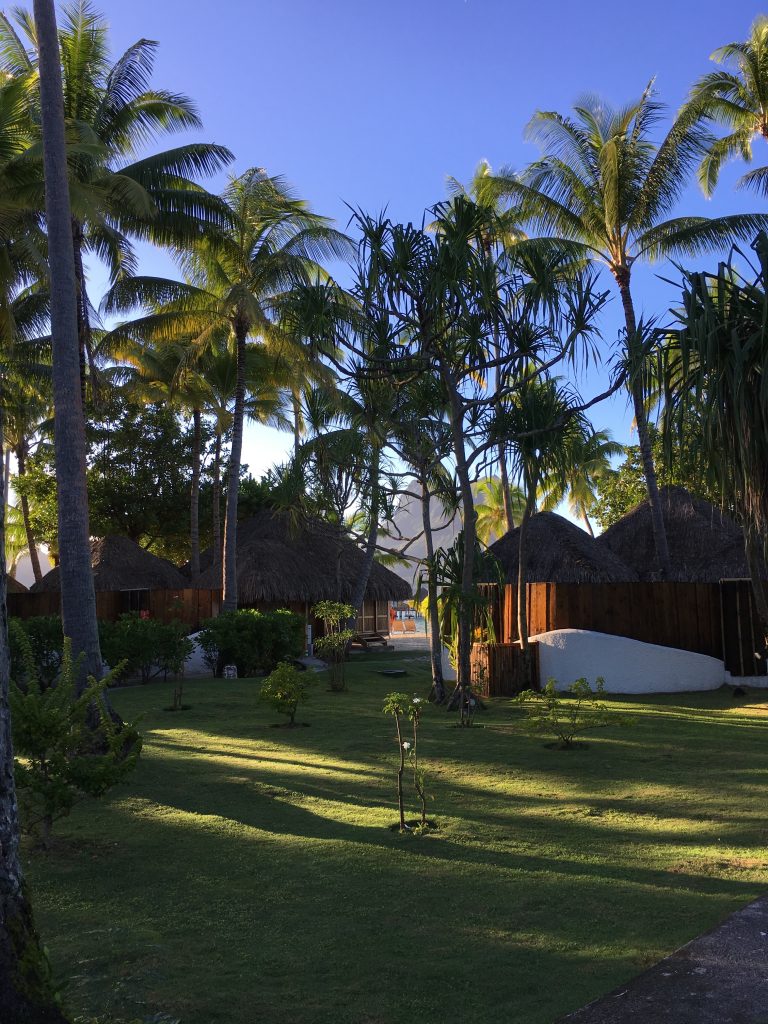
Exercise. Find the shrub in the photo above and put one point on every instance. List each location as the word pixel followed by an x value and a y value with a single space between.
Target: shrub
pixel 285 688
pixel 567 715
pixel 64 759
pixel 254 641
pixel 333 645
pixel 147 647
pixel 46 641
pixel 401 705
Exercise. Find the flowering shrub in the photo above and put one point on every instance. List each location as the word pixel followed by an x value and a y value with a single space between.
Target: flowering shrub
pixel 400 706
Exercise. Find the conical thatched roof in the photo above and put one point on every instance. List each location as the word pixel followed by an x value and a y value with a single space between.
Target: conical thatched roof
pixel 278 563
pixel 558 551
pixel 121 564
pixel 704 544
pixel 14 587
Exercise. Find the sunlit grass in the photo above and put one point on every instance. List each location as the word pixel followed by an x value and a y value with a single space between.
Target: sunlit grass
pixel 247 873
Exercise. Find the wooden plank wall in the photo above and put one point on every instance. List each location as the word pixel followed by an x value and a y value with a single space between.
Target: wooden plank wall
pixel 190 606
pixel 497 669
pixel 682 615
pixel 745 649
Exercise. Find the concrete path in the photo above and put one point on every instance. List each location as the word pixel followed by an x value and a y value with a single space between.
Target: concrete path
pixel 718 978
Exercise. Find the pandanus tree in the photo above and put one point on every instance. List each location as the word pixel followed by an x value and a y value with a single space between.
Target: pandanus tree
pixel 589 463
pixel 605 190
pixel 118 192
pixel 546 426
pixel 234 279
pixel 716 372
pixel 736 97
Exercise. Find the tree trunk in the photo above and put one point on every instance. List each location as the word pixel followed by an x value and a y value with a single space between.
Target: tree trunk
pixel 361 583
pixel 622 276
pixel 194 510
pixel 587 523
pixel 229 600
pixel 296 402
pixel 26 996
pixel 522 601
pixel 78 601
pixel 503 471
pixel 34 558
pixel 754 561
pixel 435 639
pixel 84 337
pixel 463 668
pixel 216 495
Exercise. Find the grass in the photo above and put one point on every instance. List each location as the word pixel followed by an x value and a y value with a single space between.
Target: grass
pixel 248 874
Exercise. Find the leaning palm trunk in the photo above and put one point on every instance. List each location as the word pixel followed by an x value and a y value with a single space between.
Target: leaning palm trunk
pixel 438 694
pixel 34 557
pixel 194 511
pixel 78 601
pixel 643 438
pixel 229 600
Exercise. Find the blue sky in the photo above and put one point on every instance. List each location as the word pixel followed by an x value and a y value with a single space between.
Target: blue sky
pixel 372 103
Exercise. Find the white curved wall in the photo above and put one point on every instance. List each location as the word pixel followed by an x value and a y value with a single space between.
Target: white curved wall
pixel 628 666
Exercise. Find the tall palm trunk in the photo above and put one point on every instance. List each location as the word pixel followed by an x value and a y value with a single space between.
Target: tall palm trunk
pixel 216 496
pixel 587 523
pixel 78 601
pixel 522 552
pixel 435 639
pixel 503 471
pixel 296 403
pixel 85 344
pixel 229 599
pixel 622 275
pixel 361 583
pixel 464 670
pixel 194 509
pixel 34 558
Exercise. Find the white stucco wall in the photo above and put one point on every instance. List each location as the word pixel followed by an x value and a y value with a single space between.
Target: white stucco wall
pixel 628 666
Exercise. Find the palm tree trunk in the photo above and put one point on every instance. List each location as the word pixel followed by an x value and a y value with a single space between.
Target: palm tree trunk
pixel 361 583
pixel 194 510
pixel 296 403
pixel 25 992
pixel 522 551
pixel 435 639
pixel 216 495
pixel 34 557
pixel 587 523
pixel 509 517
pixel 78 601
pixel 84 337
pixel 229 599
pixel 644 441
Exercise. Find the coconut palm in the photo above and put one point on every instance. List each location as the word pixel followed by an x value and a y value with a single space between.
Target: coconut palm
pixel 736 97
pixel 604 191
pixel 234 282
pixel 111 114
pixel 589 463
pixel 494 509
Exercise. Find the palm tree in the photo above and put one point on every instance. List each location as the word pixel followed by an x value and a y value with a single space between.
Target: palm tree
pixel 604 191
pixel 589 462
pixel 496 503
pixel 111 113
pixel 234 282
pixel 736 97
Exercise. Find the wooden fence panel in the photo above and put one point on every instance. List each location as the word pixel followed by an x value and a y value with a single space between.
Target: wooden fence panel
pixel 745 652
pixel 498 670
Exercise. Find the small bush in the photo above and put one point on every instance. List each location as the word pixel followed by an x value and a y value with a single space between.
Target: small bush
pixel 285 688
pixel 64 758
pixel 254 641
pixel 46 641
pixel 147 647
pixel 335 617
pixel 567 715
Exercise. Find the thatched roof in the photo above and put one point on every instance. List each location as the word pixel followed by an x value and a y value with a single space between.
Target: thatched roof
pixel 121 564
pixel 704 544
pixel 276 562
pixel 14 587
pixel 558 551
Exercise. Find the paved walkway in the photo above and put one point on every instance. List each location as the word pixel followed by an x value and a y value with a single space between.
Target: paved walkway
pixel 718 978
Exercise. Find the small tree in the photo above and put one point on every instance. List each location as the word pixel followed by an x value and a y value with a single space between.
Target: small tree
pixel 62 760
pixel 333 644
pixel 419 775
pixel 285 688
pixel 396 704
pixel 566 716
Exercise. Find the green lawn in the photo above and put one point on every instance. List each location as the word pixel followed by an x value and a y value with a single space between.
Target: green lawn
pixel 247 874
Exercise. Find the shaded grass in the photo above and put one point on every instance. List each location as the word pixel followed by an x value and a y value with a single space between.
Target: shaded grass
pixel 247 874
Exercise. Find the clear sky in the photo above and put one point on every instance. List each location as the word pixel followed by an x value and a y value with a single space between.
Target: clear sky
pixel 372 102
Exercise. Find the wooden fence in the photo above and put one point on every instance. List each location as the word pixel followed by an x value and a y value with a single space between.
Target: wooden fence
pixel 499 670
pixel 191 606
pixel 717 619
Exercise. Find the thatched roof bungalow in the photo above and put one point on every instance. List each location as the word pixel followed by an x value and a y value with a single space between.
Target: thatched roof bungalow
pixel 121 564
pixel 705 545
pixel 283 564
pixel 558 551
